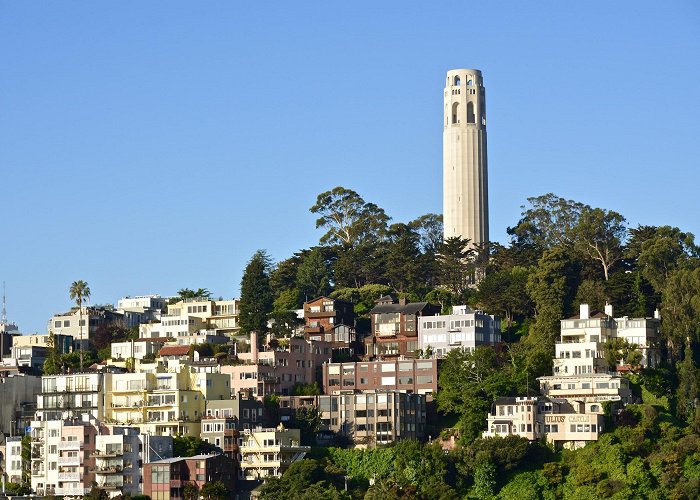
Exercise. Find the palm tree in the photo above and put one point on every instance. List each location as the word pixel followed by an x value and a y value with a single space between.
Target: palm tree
pixel 80 290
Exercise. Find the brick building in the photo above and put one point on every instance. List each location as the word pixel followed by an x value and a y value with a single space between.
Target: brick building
pixel 395 327
pixel 166 479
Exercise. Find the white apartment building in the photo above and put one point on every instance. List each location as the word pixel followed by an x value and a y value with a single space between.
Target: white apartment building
pixel 13 465
pixel 68 457
pixel 62 461
pixel 580 370
pixel 71 396
pixel 571 407
pixel 269 452
pixel 465 328
pixel 136 349
pixel 121 452
pixel 143 302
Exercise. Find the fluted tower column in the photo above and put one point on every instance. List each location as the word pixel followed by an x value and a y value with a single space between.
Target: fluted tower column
pixel 465 170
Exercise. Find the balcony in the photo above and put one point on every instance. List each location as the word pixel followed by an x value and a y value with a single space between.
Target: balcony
pixel 71 390
pixel 107 453
pixel 69 460
pixel 38 472
pixel 72 491
pixel 70 476
pixel 70 445
pixel 110 485
pixel 110 469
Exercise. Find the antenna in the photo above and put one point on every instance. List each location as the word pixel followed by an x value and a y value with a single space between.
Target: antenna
pixel 3 321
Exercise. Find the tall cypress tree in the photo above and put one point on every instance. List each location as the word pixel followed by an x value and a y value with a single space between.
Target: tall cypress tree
pixel 256 294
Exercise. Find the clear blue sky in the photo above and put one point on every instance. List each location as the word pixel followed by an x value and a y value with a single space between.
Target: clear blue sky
pixel 150 146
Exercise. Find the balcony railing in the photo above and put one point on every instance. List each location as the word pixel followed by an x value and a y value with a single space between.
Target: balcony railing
pixel 108 485
pixel 107 453
pixel 70 445
pixel 111 469
pixel 72 491
pixel 69 460
pixel 70 476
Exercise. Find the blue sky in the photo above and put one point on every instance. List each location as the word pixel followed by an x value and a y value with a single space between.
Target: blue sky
pixel 150 146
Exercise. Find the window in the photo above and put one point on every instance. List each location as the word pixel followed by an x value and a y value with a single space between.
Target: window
pixel 471 118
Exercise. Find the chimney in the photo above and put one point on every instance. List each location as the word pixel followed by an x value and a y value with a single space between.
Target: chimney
pixel 254 347
pixel 609 309
pixel 403 301
pixel 584 311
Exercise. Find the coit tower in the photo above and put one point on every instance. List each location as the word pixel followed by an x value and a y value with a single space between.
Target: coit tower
pixel 465 177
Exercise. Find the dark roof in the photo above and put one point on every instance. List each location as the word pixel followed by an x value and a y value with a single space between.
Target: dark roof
pixel 410 308
pixel 327 298
pixel 174 350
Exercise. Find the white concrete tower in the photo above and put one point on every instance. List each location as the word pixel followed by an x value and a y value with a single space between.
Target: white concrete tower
pixel 465 176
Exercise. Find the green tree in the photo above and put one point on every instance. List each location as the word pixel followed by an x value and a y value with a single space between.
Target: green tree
pixel 190 491
pixel 186 293
pixel 79 291
pixel 215 491
pixel 284 323
pixel 659 251
pixel 547 222
pixel 680 310
pixel 348 218
pixel 505 293
pixel 405 264
pixel 599 235
pixel 456 265
pixel 469 382
pixel 189 446
pixel 484 480
pixel 430 232
pixel 313 277
pixel 688 391
pixel 256 294
pixel 308 420
pixel 551 285
pixel 97 494
pixel 53 364
pixel 592 292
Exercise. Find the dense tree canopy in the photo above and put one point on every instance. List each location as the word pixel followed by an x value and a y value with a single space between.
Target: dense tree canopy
pixel 256 294
pixel 561 253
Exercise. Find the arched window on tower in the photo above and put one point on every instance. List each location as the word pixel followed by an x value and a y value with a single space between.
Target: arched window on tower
pixel 457 80
pixel 471 118
pixel 455 113
pixel 470 82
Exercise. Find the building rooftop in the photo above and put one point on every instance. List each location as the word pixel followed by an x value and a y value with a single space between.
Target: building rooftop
pixel 174 350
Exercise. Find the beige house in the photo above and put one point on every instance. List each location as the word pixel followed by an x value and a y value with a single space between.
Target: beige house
pixel 269 452
pixel 534 418
pixel 163 403
pixel 219 315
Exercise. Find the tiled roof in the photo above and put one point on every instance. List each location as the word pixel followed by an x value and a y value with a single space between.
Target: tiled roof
pixel 174 350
